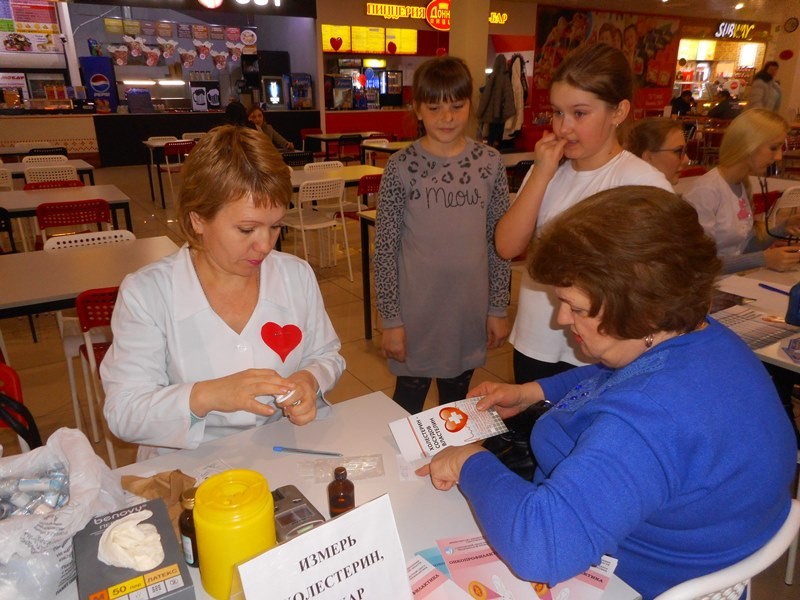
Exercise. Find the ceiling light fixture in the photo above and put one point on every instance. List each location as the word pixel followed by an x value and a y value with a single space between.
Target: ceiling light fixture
pixel 739 6
pixel 256 2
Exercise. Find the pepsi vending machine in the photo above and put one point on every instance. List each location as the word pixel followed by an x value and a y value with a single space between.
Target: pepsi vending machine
pixel 101 84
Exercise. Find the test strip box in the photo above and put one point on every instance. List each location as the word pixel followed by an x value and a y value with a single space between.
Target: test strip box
pixel 169 580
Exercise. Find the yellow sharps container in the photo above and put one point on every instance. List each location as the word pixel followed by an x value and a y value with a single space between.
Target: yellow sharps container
pixel 234 519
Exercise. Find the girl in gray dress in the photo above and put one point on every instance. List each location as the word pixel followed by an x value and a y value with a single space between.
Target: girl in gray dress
pixel 442 290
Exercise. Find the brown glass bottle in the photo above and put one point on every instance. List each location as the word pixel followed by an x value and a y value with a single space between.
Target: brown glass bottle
pixel 341 493
pixel 186 526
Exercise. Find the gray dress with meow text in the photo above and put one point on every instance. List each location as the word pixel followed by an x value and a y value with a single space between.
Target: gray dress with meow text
pixel 436 269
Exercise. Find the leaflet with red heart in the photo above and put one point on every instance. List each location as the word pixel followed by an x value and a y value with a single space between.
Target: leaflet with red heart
pixel 454 424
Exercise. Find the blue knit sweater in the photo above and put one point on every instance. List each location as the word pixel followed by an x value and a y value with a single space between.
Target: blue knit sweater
pixel 678 464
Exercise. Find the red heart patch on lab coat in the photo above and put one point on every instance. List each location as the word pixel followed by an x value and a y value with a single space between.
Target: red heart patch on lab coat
pixel 281 339
pixel 454 419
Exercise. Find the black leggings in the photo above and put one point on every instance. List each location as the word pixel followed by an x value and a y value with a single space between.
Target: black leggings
pixel 410 392
pixel 528 369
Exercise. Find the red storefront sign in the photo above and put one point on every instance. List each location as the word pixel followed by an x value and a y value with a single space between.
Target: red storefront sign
pixel 437 14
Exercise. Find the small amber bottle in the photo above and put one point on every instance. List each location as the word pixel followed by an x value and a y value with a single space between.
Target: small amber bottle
pixel 186 526
pixel 341 493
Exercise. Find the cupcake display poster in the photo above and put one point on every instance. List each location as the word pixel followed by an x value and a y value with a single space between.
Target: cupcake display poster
pixel 192 45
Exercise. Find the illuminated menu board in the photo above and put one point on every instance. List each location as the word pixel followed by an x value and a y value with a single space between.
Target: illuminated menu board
pixel 336 38
pixel 368 40
pixel 404 40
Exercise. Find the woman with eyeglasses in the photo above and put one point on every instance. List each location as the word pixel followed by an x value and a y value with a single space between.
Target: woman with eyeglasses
pixel 723 197
pixel 660 142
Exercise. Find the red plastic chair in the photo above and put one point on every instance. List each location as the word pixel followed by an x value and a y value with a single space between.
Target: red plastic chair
pixel 368 184
pixel 78 212
pixel 14 414
pixel 94 308
pixel 49 185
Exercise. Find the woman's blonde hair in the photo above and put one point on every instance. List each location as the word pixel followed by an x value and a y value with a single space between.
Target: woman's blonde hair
pixel 226 165
pixel 747 132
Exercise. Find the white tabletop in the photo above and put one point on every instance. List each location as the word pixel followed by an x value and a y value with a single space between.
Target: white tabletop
pixel 36 278
pixel 767 302
pixel 21 200
pixel 358 428
pixel 512 158
pixel 18 169
pixel 372 144
pixel 351 174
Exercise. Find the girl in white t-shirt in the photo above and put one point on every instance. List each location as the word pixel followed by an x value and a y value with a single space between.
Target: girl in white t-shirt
pixel 591 94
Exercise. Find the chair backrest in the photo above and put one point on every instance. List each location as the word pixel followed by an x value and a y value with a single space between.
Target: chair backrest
pixel 44 159
pixel 162 138
pixel 6 182
pixel 327 194
pixel 5 226
pixel 90 238
pixel 48 150
pixel 13 412
pixel 95 306
pixel 54 172
pixel 49 185
pixel 725 583
pixel 367 185
pixel 323 166
pixel 695 171
pixel 178 148
pixel 193 135
pixel 788 201
pixel 77 212
pixel 297 159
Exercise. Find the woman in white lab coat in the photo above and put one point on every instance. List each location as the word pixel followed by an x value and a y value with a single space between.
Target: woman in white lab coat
pixel 205 340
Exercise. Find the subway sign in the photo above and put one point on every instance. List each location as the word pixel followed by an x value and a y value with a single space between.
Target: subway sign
pixel 734 31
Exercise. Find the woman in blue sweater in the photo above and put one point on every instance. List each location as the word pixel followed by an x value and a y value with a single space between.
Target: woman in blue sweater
pixel 673 452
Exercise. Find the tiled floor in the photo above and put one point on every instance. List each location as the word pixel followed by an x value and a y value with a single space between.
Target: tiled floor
pixel 42 366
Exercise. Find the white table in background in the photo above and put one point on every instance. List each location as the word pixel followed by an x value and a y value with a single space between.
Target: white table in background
pixel 326 138
pixel 36 282
pixel 358 427
pixel 351 174
pixel 22 203
pixel 84 168
pixel 767 302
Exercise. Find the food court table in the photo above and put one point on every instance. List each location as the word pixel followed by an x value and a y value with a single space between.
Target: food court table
pixel 366 219
pixel 41 281
pixel 358 427
pixel 81 166
pixel 326 138
pixel 351 174
pixel 21 203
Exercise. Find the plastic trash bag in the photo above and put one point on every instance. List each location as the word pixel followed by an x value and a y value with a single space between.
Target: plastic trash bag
pixel 36 558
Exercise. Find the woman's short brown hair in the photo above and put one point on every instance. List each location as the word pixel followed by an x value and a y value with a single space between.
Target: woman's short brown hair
pixel 226 165
pixel 640 255
pixel 648 135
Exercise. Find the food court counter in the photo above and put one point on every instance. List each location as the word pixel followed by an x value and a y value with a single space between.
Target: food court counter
pixel 120 136
pixel 75 132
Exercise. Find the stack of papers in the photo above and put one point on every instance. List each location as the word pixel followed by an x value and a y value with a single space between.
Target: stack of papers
pixel 476 572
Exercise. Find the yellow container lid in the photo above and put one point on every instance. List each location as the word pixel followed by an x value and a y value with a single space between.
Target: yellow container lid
pixel 233 496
